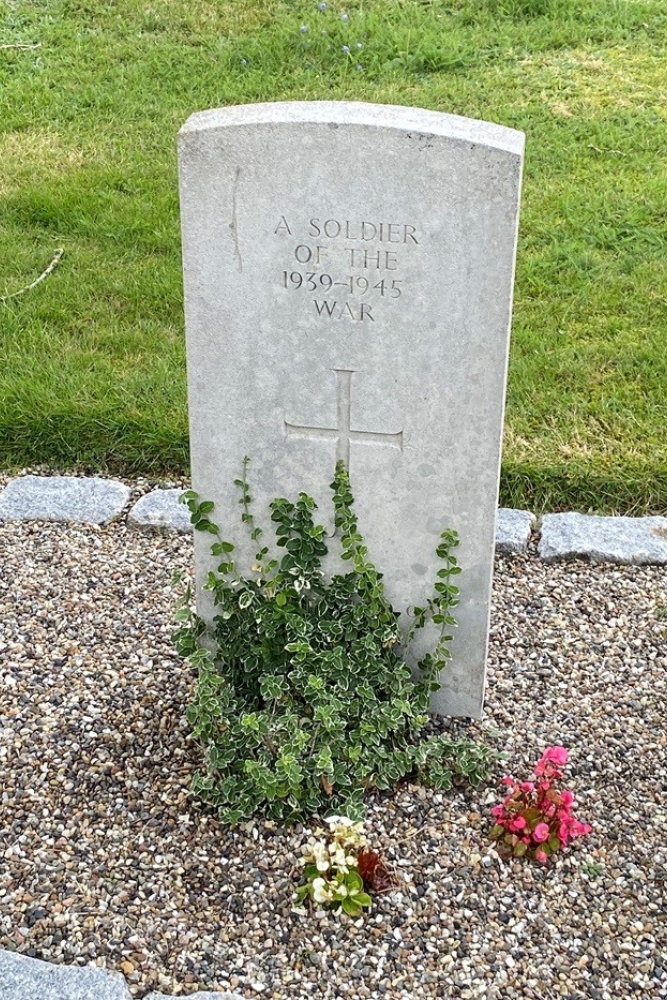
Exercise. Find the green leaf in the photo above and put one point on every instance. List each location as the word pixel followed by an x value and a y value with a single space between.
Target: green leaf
pixel 351 908
pixel 532 817
pixel 353 880
pixel 553 843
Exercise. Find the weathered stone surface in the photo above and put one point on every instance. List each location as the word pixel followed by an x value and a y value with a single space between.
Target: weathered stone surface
pixel 23 978
pixel 63 498
pixel 348 284
pixel 160 510
pixel 637 540
pixel 513 529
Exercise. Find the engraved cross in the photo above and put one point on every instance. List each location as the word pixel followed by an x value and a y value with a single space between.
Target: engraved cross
pixel 343 433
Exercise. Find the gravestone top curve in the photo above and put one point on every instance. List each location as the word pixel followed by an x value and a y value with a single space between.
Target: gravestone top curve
pixel 353 113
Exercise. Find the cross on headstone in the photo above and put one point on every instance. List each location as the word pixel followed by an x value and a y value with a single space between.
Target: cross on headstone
pixel 343 433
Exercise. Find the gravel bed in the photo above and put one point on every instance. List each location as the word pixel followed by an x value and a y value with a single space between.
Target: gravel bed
pixel 107 859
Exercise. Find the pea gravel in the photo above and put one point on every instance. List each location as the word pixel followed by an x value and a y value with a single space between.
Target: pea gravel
pixel 105 858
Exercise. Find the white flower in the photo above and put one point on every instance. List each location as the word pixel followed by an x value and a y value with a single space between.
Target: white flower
pixel 339 858
pixel 322 865
pixel 321 892
pixel 339 821
pixel 314 850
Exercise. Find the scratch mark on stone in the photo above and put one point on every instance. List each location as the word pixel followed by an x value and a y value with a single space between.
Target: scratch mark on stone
pixel 233 225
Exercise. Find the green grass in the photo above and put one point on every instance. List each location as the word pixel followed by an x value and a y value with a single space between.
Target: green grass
pixel 92 370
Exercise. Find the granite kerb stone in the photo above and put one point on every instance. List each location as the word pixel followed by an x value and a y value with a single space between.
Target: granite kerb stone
pixel 160 510
pixel 513 530
pixel 24 978
pixel 77 499
pixel 635 541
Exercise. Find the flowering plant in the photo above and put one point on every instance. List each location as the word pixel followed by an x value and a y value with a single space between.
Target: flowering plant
pixel 331 867
pixel 535 819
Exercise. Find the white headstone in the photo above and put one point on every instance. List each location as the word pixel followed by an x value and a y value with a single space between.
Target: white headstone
pixel 348 290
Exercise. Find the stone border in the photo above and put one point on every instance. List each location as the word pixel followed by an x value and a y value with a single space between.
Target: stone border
pixel 624 540
pixel 63 498
pixel 638 541
pixel 160 511
pixel 24 978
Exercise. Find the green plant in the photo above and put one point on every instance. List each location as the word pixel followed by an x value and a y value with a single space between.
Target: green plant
pixel 331 868
pixel 305 700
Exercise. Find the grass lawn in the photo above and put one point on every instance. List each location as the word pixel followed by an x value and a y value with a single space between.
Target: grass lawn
pixel 92 370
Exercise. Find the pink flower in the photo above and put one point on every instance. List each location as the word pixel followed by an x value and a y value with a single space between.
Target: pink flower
pixel 549 808
pixel 557 755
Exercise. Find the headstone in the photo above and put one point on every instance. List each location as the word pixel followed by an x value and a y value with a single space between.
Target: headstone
pixel 348 285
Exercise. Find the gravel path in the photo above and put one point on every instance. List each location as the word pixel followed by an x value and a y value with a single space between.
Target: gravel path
pixel 105 857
